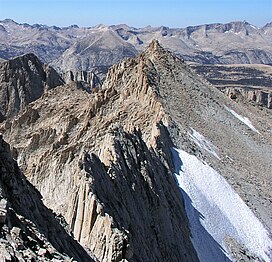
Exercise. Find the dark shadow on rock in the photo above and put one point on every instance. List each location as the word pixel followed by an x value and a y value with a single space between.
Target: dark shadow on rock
pixel 139 192
pixel 27 212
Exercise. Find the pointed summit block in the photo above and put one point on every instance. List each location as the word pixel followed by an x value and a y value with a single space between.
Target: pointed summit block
pixel 156 51
pixel 155 45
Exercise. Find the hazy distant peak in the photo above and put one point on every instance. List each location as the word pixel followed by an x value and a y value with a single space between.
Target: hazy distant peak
pixel 240 24
pixel 9 21
pixel 268 25
pixel 101 26
pixel 122 26
pixel 74 26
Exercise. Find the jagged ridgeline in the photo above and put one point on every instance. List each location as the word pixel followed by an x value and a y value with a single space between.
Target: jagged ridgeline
pixel 102 157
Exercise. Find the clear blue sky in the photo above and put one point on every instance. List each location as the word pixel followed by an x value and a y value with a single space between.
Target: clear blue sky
pixel 172 13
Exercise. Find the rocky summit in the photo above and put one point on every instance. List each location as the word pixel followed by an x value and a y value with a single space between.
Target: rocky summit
pixel 118 168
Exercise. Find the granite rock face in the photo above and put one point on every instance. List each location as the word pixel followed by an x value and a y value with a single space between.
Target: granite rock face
pixel 29 230
pixel 23 80
pixel 84 79
pixel 97 158
pixel 126 201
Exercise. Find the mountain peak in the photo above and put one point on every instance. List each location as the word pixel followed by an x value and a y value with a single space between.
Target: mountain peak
pixel 27 57
pixel 156 51
pixel 267 25
pixel 10 21
pixel 155 47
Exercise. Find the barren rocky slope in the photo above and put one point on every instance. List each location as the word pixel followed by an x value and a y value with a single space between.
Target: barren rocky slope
pixel 47 43
pixel 103 158
pixel 103 48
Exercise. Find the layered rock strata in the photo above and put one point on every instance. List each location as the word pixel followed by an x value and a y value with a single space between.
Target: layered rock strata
pixel 259 97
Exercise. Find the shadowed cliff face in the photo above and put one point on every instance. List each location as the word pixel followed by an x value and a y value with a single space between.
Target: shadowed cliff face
pixel 28 229
pixel 103 158
pixel 133 204
pixel 23 80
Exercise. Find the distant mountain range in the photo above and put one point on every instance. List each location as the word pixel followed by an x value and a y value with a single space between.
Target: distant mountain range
pixel 77 48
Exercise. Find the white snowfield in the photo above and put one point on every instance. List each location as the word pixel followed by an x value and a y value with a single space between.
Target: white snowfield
pixel 245 120
pixel 203 143
pixel 216 212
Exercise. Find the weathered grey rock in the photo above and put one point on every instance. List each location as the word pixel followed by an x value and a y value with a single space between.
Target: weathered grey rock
pixel 84 79
pixel 29 231
pixel 249 82
pixel 240 252
pixel 23 80
pixel 128 205
pixel 260 97
pixel 3 211
pixel 116 192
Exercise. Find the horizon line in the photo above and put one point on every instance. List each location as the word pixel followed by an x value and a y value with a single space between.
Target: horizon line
pixel 118 24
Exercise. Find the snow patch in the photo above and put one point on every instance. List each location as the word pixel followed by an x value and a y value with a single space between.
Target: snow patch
pixel 203 143
pixel 245 120
pixel 216 212
pixel 253 26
